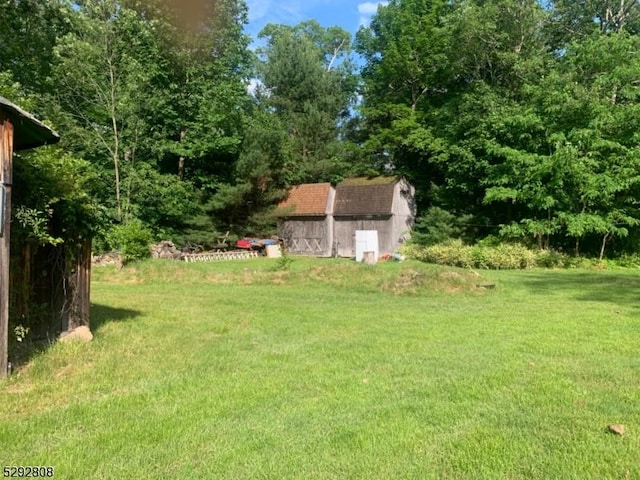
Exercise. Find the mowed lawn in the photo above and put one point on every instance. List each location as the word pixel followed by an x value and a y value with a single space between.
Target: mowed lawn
pixel 334 370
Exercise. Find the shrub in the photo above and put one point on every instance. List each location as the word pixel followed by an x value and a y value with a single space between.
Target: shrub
pixel 453 253
pixel 505 256
pixel 131 239
pixel 628 261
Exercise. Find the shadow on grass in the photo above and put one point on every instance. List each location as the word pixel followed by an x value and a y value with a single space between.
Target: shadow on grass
pixel 102 314
pixel 21 353
pixel 618 288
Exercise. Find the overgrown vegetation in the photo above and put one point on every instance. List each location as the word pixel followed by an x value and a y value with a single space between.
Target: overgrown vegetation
pixel 131 240
pixel 503 256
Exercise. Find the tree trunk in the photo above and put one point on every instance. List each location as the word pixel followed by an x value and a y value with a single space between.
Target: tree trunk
pixel 183 133
pixel 116 166
pixel 115 153
pixel 604 244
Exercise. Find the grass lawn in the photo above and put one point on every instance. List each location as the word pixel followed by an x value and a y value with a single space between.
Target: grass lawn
pixel 334 370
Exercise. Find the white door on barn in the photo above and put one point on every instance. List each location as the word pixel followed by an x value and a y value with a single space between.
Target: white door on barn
pixel 366 241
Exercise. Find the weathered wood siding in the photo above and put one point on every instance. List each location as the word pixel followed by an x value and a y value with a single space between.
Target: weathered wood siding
pixel 308 235
pixel 393 230
pixel 345 233
pixel 54 281
pixel 404 213
pixel 6 178
pixel 78 274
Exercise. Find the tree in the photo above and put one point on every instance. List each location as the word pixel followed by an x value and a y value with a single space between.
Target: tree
pixel 100 69
pixel 307 82
pixel 435 71
pixel 305 89
pixel 200 95
pixel 492 112
pixel 572 20
pixel 586 184
pixel 29 30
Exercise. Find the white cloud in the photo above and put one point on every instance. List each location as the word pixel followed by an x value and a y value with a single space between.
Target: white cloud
pixel 367 10
pixel 274 11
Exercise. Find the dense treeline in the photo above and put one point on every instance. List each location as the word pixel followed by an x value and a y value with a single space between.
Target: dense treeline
pixel 515 119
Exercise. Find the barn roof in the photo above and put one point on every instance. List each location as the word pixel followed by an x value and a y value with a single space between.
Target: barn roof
pixel 309 199
pixel 28 131
pixel 365 196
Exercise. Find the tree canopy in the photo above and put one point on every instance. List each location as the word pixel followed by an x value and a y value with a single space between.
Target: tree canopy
pixel 494 110
pixel 515 119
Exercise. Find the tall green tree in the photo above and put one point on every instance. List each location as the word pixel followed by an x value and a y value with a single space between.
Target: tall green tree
pixel 305 88
pixel 99 71
pixel 307 81
pixel 584 181
pixel 491 111
pixel 200 95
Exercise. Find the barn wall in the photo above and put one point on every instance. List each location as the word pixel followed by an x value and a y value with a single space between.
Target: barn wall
pixel 308 235
pixel 404 203
pixel 404 212
pixel 345 231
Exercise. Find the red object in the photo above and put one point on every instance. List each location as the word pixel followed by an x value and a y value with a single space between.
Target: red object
pixel 243 244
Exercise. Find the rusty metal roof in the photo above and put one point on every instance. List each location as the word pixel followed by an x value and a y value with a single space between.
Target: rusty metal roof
pixel 309 199
pixel 28 131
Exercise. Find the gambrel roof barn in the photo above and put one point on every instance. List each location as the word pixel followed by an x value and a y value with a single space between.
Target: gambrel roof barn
pixel 320 220
pixel 308 227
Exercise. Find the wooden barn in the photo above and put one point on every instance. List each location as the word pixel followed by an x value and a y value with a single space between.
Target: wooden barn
pixel 18 131
pixel 382 204
pixel 307 226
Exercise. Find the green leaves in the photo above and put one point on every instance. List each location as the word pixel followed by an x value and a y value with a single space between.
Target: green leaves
pixel 492 112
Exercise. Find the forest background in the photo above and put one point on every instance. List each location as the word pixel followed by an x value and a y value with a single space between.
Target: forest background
pixel 516 120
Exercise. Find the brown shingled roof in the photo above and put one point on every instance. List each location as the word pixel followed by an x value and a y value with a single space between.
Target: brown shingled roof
pixel 362 196
pixel 309 199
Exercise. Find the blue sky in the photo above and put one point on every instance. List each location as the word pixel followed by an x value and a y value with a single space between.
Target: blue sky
pixel 348 14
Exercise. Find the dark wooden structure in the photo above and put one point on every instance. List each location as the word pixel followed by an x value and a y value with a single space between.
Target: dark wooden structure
pixel 19 130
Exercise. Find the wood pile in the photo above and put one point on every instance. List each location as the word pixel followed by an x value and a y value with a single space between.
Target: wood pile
pixel 165 249
pixel 108 258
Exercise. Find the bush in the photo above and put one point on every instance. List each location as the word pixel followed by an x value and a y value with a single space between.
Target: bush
pixel 505 256
pixel 453 253
pixel 508 257
pixel 131 239
pixel 628 261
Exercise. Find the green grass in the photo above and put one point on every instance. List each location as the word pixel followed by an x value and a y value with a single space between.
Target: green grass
pixel 333 370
